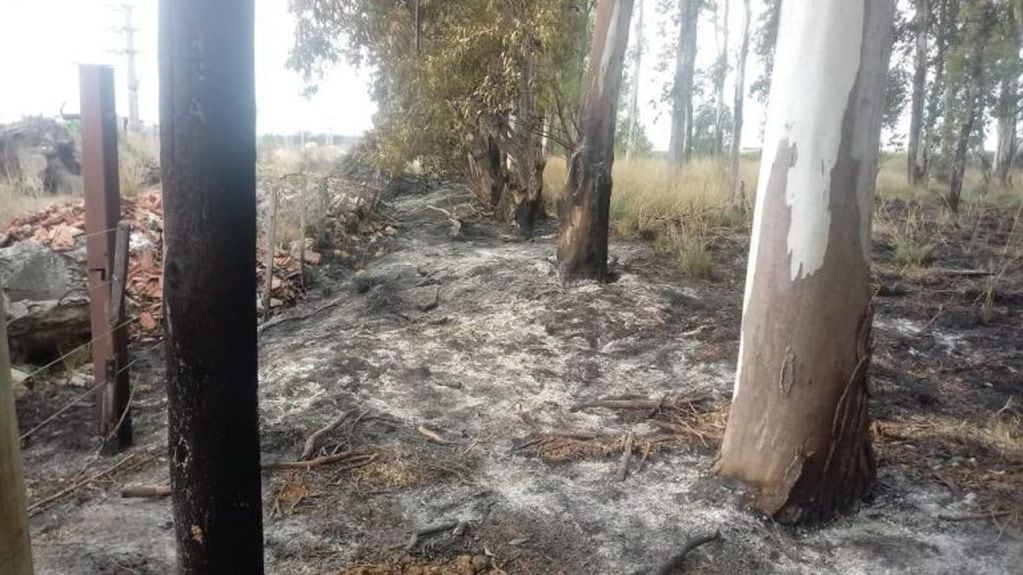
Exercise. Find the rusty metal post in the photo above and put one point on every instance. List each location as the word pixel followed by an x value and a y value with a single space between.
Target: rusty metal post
pixel 102 212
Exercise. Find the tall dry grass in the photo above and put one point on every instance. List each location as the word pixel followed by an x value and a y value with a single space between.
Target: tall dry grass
pixel 681 208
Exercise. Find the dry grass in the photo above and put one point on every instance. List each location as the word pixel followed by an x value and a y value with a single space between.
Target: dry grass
pixel 138 163
pixel 18 199
pixel 676 206
pixel 984 458
pixel 683 208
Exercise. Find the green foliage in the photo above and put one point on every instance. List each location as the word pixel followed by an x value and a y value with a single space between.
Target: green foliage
pixel 642 146
pixel 704 124
pixel 764 40
pixel 434 84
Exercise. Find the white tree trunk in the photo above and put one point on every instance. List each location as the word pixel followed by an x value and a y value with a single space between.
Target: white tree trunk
pixel 797 432
pixel 738 193
pixel 637 64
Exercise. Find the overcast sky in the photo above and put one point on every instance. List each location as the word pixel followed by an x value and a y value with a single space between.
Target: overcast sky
pixel 42 41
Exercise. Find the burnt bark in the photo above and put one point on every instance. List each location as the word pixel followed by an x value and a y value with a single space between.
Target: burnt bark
pixel 914 152
pixel 680 146
pixel 507 157
pixel 208 156
pixel 584 205
pixel 797 433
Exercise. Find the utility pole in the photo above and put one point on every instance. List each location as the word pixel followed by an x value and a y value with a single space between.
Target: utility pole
pixel 129 52
pixel 15 548
pixel 208 159
pixel 637 63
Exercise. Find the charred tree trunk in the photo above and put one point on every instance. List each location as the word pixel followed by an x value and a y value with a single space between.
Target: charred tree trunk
pixel 487 174
pixel 680 146
pixel 208 157
pixel 798 429
pixel 738 195
pixel 585 202
pixel 525 147
pixel 914 151
pixel 15 547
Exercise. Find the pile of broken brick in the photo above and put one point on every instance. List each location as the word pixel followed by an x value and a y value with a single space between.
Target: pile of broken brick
pixel 61 227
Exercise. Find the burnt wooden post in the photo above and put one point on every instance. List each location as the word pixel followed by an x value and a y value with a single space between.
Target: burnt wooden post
pixel 102 213
pixel 15 548
pixel 208 159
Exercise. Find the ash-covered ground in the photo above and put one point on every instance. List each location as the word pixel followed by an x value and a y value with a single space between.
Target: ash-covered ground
pixel 458 362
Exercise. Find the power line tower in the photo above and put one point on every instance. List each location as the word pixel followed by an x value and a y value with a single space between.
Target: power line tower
pixel 129 52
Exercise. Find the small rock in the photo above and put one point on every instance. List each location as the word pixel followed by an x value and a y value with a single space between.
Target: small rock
pixel 18 378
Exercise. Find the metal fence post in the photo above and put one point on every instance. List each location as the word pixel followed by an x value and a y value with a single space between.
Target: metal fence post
pixel 102 213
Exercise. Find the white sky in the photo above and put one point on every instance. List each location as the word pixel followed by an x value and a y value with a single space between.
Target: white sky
pixel 41 41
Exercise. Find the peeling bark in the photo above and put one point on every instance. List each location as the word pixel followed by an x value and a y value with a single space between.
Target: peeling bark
pixel 798 429
pixel 585 202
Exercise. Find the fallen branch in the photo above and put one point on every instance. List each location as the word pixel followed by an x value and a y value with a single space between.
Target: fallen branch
pixel 962 272
pixel 146 491
pixel 310 442
pixel 427 531
pixel 309 463
pixel 623 468
pixel 576 435
pixel 654 404
pixel 675 561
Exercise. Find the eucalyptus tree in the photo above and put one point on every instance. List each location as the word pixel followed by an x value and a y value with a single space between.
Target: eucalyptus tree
pixel 463 86
pixel 798 432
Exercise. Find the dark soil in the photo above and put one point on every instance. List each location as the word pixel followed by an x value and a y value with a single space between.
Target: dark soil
pixel 459 360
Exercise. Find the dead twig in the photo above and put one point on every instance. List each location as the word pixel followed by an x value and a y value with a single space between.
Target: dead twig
pixel 146 491
pixel 310 442
pixel 675 561
pixel 623 467
pixel 432 436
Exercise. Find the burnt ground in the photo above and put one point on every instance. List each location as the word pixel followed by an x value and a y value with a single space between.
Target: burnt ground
pixel 458 362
